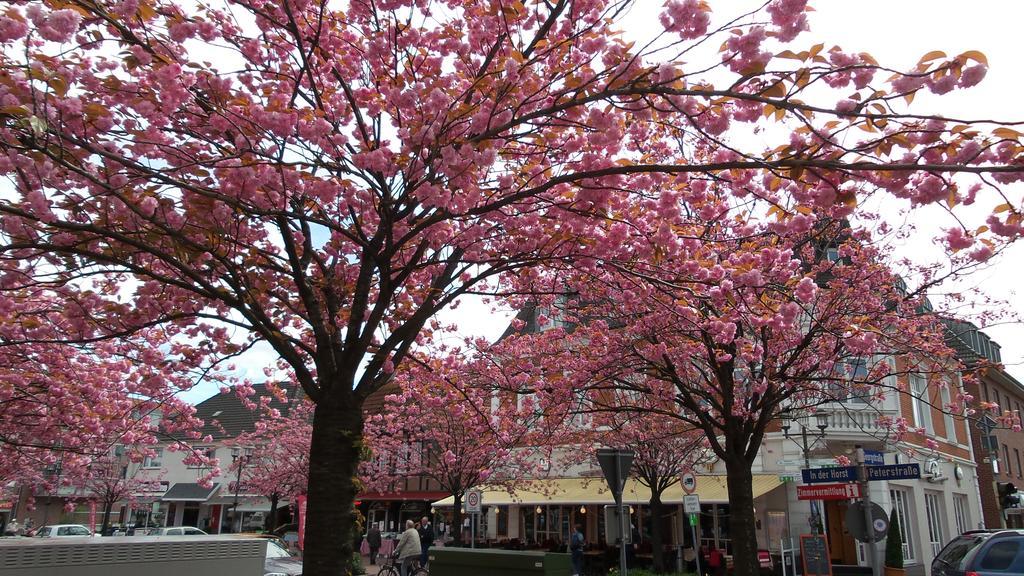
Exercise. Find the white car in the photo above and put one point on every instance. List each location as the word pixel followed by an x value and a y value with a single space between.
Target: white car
pixel 176 531
pixel 63 531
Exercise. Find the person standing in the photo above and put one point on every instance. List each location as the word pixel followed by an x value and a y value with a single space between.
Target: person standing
pixel 576 549
pixel 408 548
pixel 373 541
pixel 426 539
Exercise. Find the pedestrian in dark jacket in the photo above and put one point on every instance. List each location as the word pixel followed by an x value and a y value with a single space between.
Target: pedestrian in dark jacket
pixel 373 541
pixel 426 539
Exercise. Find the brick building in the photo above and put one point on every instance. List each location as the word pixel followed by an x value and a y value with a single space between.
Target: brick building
pixel 999 454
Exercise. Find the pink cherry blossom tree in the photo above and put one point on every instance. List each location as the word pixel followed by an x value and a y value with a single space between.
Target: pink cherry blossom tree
pixel 728 327
pixel 279 464
pixel 664 448
pixel 327 178
pixel 452 423
pixel 112 479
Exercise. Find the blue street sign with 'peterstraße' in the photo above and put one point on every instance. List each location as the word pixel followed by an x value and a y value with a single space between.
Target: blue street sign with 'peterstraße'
pixel 849 473
pixel 894 472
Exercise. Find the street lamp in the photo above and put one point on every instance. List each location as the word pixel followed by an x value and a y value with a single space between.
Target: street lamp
pixel 821 422
pixel 240 457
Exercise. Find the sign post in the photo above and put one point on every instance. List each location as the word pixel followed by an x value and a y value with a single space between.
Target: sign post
pixel 474 501
pixel 862 473
pixel 615 465
pixel 691 506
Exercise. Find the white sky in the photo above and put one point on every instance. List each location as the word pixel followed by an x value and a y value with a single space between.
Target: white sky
pixel 897 33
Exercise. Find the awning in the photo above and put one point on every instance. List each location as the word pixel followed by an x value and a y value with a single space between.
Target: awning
pixel 421 495
pixel 711 489
pixel 248 503
pixel 189 492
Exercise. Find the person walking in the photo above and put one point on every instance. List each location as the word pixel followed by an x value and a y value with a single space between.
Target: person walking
pixel 373 541
pixel 576 549
pixel 426 539
pixel 408 548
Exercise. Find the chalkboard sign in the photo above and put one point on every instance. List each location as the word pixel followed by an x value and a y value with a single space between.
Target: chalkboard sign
pixel 814 550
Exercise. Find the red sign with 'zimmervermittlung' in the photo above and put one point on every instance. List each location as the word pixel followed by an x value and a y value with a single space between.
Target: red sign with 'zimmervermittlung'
pixel 828 492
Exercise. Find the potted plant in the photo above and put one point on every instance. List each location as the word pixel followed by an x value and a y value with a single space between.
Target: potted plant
pixel 894 547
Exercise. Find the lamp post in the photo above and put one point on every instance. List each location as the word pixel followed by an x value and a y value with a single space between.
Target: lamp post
pixel 821 422
pixel 240 457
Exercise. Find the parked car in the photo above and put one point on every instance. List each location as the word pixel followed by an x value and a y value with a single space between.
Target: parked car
pixel 280 561
pixel 62 531
pixel 982 553
pixel 176 531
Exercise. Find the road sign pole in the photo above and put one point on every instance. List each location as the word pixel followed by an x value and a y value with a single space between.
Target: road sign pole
pixel 862 470
pixel 696 543
pixel 624 531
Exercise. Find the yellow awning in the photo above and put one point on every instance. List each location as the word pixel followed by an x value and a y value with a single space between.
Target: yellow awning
pixel 711 489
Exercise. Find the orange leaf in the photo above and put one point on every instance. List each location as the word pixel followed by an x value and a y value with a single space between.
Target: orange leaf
pixel 1008 133
pixel 976 56
pixel 933 55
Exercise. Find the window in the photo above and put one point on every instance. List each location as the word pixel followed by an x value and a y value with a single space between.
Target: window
pixel 1006 459
pixel 960 513
pixel 154 461
pixel 206 451
pixel 1016 454
pixel 1000 555
pixel 901 503
pixel 852 382
pixel 44 532
pixel 947 414
pixel 932 507
pixel 193 532
pixel 922 409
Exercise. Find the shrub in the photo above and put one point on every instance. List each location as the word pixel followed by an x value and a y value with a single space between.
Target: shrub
pixel 894 543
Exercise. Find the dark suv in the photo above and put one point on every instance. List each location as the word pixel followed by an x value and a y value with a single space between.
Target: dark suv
pixel 982 553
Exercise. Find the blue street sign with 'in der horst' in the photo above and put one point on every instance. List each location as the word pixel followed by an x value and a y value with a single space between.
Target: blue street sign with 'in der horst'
pixel 822 475
pixel 849 473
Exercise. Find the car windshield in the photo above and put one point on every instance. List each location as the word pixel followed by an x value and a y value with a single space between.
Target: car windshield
pixel 954 552
pixel 275 550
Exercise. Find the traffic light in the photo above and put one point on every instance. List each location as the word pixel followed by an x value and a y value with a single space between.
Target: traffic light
pixel 1008 496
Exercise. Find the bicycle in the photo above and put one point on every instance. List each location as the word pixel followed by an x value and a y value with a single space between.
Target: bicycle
pixel 390 568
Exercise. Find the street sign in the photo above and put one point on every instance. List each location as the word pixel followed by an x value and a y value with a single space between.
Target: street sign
pixel 894 472
pixel 784 478
pixel 822 475
pixel 474 499
pixel 855 523
pixel 689 482
pixel 691 504
pixel 874 458
pixel 615 465
pixel 828 492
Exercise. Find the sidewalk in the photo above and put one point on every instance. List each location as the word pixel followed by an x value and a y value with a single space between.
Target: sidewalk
pixel 371 569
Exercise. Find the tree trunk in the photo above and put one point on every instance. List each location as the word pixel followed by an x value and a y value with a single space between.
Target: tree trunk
pixel 107 507
pixel 272 518
pixel 741 509
pixel 334 456
pixel 457 520
pixel 657 510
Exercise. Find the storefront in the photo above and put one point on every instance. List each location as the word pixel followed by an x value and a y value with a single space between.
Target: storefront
pixel 188 504
pixel 542 513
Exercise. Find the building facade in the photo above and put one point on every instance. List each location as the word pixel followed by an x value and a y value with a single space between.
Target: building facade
pixel 998 399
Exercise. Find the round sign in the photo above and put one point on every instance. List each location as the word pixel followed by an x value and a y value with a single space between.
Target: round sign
pixel 473 499
pixel 881 525
pixel 689 482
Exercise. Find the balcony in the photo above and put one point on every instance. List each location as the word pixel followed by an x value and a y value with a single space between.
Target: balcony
pixel 854 418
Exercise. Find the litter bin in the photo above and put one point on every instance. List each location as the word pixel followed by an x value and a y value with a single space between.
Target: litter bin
pixel 492 562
